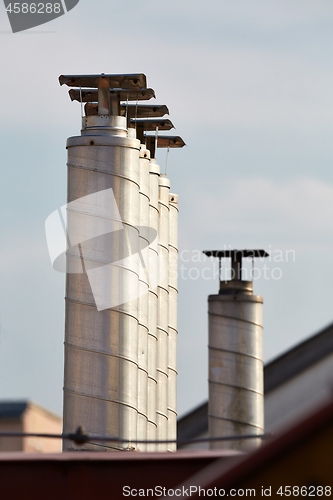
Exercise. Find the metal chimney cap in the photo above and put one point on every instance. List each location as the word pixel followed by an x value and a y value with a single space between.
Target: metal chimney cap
pixel 220 254
pixel 236 260
pixel 126 81
pixel 91 95
pixel 152 123
pixel 144 110
pixel 167 141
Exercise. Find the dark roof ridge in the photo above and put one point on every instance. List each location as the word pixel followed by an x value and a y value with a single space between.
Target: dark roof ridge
pixel 298 358
pixel 13 409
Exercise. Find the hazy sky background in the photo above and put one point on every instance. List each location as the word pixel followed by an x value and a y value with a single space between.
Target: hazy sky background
pixel 249 85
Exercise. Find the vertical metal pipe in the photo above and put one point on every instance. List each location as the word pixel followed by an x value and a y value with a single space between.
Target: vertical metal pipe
pixel 163 313
pixel 236 266
pixel 101 360
pixel 235 365
pixel 143 302
pixel 154 174
pixel 172 327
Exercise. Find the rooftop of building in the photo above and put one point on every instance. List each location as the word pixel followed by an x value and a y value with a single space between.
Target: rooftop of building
pixel 10 409
pixel 277 372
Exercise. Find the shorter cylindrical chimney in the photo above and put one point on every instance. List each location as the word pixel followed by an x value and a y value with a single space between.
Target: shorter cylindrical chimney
pixel 236 399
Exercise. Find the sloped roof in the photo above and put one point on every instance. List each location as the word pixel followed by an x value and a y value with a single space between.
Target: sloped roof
pixel 12 409
pixel 86 475
pixel 300 456
pixel 298 359
pixel 276 372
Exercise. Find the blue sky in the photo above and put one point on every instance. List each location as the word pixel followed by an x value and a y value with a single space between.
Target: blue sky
pixel 249 88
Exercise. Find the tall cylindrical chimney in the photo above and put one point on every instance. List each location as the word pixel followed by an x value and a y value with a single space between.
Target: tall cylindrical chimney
pixel 172 328
pixel 163 313
pixel 154 174
pixel 101 331
pixel 236 400
pixel 101 346
pixel 143 303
